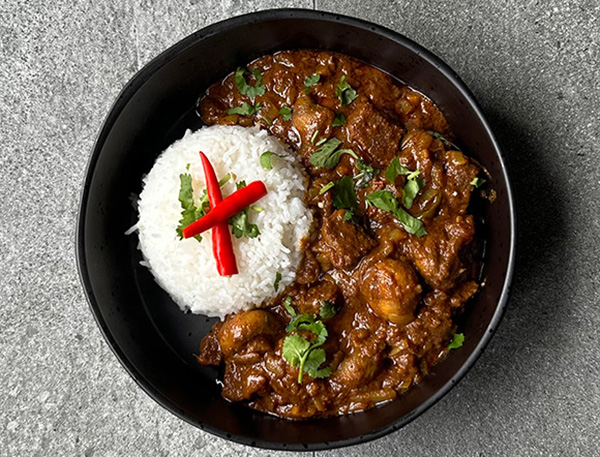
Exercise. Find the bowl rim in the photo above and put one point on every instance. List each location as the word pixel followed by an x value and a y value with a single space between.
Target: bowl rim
pixel 132 86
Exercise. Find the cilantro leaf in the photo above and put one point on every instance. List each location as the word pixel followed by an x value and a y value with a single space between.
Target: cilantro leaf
pixel 345 92
pixel 447 143
pixel 344 196
pixel 328 155
pixel 300 352
pixel 294 350
pixel 246 89
pixel 412 187
pixel 457 341
pixel 246 109
pixel 287 304
pixel 190 212
pixel 286 112
pixel 411 224
pixel 265 160
pixel 385 200
pixel 366 175
pixel 276 283
pixel 240 225
pixel 312 80
pixel 339 120
pixel 315 359
pixel 394 169
pixel 327 310
pixel 478 182
pixel 326 187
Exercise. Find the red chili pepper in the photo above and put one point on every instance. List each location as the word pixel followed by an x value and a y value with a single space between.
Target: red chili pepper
pixel 230 206
pixel 221 239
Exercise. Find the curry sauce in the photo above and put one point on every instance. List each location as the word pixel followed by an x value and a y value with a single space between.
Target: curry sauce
pixel 394 291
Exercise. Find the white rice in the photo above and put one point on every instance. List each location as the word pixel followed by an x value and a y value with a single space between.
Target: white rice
pixel 186 268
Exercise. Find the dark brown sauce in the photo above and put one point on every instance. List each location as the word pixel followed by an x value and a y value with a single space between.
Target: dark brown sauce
pixel 396 293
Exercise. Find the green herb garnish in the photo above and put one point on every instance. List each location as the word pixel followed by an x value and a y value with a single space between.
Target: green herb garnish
pixel 413 183
pixel 314 137
pixel 246 89
pixel 447 143
pixel 276 283
pixel 366 175
pixel 477 182
pixel 286 112
pixel 412 187
pixel 299 352
pixel 287 304
pixel 328 155
pixel 246 109
pixel 240 224
pixel 385 200
pixel 457 341
pixel 339 120
pixel 327 310
pixel 326 187
pixel 394 169
pixel 190 212
pixel 345 92
pixel 265 160
pixel 344 196
pixel 312 80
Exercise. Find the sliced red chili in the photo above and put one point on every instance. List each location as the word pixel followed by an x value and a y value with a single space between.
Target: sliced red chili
pixel 221 239
pixel 228 207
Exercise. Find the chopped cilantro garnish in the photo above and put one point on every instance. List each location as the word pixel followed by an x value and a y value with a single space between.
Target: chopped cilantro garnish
pixel 190 212
pixel 286 112
pixel 265 159
pixel 287 304
pixel 457 341
pixel 413 183
pixel 447 143
pixel 328 155
pixel 345 92
pixel 299 352
pixel 246 109
pixel 385 200
pixel 394 169
pixel 314 137
pixel 246 89
pixel 339 120
pixel 477 182
pixel 326 187
pixel 412 187
pixel 344 196
pixel 276 283
pixel 240 225
pixel 312 80
pixel 327 310
pixel 366 175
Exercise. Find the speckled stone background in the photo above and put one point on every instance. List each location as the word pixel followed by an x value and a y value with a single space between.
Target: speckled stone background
pixel 533 65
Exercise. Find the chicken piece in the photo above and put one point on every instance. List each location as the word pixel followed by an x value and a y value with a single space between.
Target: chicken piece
pixel 436 255
pixel 391 288
pixel 309 117
pixel 241 328
pixel 375 135
pixel 356 369
pixel 341 242
pixel 309 300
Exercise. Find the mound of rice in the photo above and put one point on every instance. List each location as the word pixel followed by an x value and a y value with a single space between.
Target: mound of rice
pixel 186 268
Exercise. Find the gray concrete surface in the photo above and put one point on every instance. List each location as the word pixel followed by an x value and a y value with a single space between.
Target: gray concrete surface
pixel 533 65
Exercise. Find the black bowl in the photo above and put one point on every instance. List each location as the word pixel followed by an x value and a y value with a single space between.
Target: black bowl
pixel 151 337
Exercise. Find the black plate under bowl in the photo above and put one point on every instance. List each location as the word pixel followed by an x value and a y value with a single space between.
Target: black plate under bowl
pixel 151 337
